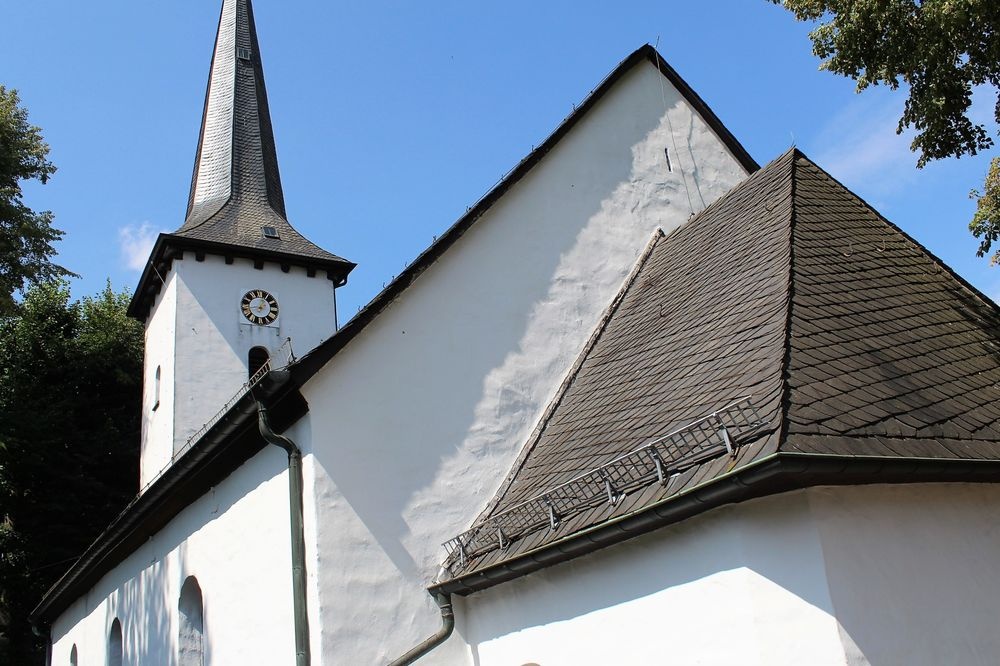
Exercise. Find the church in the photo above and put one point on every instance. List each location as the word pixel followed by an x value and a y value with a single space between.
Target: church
pixel 646 402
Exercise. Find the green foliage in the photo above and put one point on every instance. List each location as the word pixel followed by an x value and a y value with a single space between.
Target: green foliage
pixel 940 50
pixel 986 222
pixel 70 393
pixel 26 237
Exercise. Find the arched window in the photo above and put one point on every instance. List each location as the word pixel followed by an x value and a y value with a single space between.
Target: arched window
pixel 191 639
pixel 73 659
pixel 256 359
pixel 115 647
pixel 156 389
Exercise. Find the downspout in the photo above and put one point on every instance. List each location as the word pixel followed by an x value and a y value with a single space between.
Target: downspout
pixel 47 637
pixel 301 617
pixel 447 626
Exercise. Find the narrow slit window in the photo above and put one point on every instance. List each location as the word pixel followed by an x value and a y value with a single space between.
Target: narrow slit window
pixel 156 389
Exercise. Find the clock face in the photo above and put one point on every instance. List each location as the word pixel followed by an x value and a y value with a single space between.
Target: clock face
pixel 259 307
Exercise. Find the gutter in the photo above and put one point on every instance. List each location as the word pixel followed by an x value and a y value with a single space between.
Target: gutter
pixel 298 539
pixel 443 600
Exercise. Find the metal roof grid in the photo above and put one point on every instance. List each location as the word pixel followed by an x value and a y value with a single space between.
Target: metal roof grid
pixel 655 462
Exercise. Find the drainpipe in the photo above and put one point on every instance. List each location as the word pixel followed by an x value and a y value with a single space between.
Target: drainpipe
pixel 44 634
pixel 447 626
pixel 302 657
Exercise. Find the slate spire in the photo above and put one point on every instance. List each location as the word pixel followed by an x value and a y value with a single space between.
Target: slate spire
pixel 236 207
pixel 236 196
pixel 236 163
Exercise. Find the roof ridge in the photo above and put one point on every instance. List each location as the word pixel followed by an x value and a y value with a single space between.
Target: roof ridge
pixel 786 360
pixel 764 296
pixel 701 325
pixel 852 268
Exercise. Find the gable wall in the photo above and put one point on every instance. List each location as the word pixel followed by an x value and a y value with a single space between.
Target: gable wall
pixel 413 426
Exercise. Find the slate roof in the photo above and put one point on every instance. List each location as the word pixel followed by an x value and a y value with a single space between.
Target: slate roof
pixel 236 185
pixel 853 341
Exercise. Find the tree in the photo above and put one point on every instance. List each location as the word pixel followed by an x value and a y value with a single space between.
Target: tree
pixel 941 50
pixel 70 393
pixel 26 237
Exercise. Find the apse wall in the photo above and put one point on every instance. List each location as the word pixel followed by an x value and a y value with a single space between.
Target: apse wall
pixel 844 576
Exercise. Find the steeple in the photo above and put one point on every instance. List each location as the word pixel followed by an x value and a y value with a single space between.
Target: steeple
pixel 236 207
pixel 236 169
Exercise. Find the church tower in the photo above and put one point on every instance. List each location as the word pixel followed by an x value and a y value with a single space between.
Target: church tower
pixel 236 284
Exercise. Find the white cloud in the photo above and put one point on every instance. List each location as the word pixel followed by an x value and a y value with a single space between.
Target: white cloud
pixel 859 146
pixel 136 243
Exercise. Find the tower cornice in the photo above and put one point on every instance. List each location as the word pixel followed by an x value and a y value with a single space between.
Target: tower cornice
pixel 171 247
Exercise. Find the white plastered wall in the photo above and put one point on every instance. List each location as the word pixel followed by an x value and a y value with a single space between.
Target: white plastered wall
pixel 741 585
pixel 197 329
pixel 416 422
pixel 847 576
pixel 914 571
pixel 235 541
pixel 158 400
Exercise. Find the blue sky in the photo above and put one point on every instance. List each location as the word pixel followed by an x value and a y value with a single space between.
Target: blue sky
pixel 392 118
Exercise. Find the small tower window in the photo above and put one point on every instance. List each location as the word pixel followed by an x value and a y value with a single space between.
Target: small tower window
pixel 73 659
pixel 243 53
pixel 156 389
pixel 256 360
pixel 270 232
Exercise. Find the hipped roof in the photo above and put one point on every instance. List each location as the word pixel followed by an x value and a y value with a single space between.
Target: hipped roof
pixel 853 341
